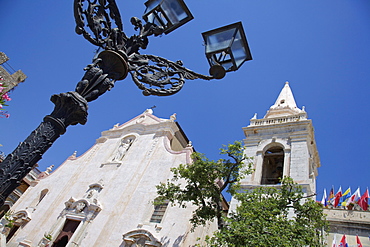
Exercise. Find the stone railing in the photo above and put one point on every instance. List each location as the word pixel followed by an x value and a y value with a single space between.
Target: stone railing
pixel 278 120
pixel 343 215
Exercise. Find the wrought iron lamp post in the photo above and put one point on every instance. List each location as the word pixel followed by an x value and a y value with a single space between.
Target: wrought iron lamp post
pixel 226 50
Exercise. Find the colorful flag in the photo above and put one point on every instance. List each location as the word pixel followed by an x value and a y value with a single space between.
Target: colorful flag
pixel 337 197
pixel 359 244
pixel 324 201
pixel 343 242
pixel 345 196
pixel 364 200
pixel 331 196
pixel 354 197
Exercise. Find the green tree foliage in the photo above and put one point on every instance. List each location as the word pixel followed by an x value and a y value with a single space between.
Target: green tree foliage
pixel 273 216
pixel 203 181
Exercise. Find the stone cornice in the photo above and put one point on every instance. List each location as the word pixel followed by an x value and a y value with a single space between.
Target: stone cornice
pixel 303 128
pixel 348 216
pixel 142 129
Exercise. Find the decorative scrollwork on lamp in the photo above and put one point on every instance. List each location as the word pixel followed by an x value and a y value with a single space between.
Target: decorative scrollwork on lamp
pixel 159 76
pixel 152 74
pixel 98 15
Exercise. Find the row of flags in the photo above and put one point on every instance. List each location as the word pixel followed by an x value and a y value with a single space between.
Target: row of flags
pixel 346 199
pixel 343 242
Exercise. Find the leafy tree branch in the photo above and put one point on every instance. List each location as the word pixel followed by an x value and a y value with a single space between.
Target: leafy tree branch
pixel 203 181
pixel 281 216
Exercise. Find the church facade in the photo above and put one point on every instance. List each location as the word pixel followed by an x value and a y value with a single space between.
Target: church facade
pixel 104 197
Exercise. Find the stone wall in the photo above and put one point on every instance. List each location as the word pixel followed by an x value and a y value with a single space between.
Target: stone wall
pixel 350 223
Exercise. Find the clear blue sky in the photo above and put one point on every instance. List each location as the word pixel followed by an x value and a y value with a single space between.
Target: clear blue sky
pixel 320 47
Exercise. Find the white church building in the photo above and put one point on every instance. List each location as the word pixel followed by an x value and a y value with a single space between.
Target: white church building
pixel 104 197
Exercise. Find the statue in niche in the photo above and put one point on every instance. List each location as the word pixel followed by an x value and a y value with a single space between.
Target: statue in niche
pixel 122 149
pixel 94 190
pixel 93 193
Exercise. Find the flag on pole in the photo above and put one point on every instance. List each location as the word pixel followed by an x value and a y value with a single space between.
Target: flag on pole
pixel 359 244
pixel 343 242
pixel 364 200
pixel 337 197
pixel 324 200
pixel 331 195
pixel 334 244
pixel 346 195
pixel 354 197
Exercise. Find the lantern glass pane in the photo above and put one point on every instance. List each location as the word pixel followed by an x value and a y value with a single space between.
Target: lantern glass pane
pixel 227 65
pixel 219 41
pixel 155 18
pixel 238 50
pixel 150 5
pixel 222 59
pixel 174 11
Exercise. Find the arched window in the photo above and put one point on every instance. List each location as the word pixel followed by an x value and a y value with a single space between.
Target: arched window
pixel 65 235
pixel 18 219
pixel 273 166
pixel 42 195
pixel 158 213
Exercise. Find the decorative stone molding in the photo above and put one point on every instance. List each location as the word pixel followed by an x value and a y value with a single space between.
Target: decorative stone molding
pixel 26 243
pixel 88 206
pixel 101 140
pixel 94 190
pixel 21 217
pixel 264 145
pixel 83 208
pixel 350 216
pixel 278 120
pixel 73 156
pixel 18 219
pixel 188 150
pixel 44 242
pixel 44 174
pixel 172 118
pixel 140 238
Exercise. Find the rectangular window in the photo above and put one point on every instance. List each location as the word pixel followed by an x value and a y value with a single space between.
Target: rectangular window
pixel 158 213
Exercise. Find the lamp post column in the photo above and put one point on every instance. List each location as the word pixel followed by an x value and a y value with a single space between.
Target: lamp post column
pixel 70 109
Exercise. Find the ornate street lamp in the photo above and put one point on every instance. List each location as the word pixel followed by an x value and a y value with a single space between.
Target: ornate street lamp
pixel 226 50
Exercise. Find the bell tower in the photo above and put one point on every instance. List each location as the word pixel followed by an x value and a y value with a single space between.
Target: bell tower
pixel 280 144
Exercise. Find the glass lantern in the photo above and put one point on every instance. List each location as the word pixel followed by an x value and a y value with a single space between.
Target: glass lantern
pixel 170 14
pixel 226 49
